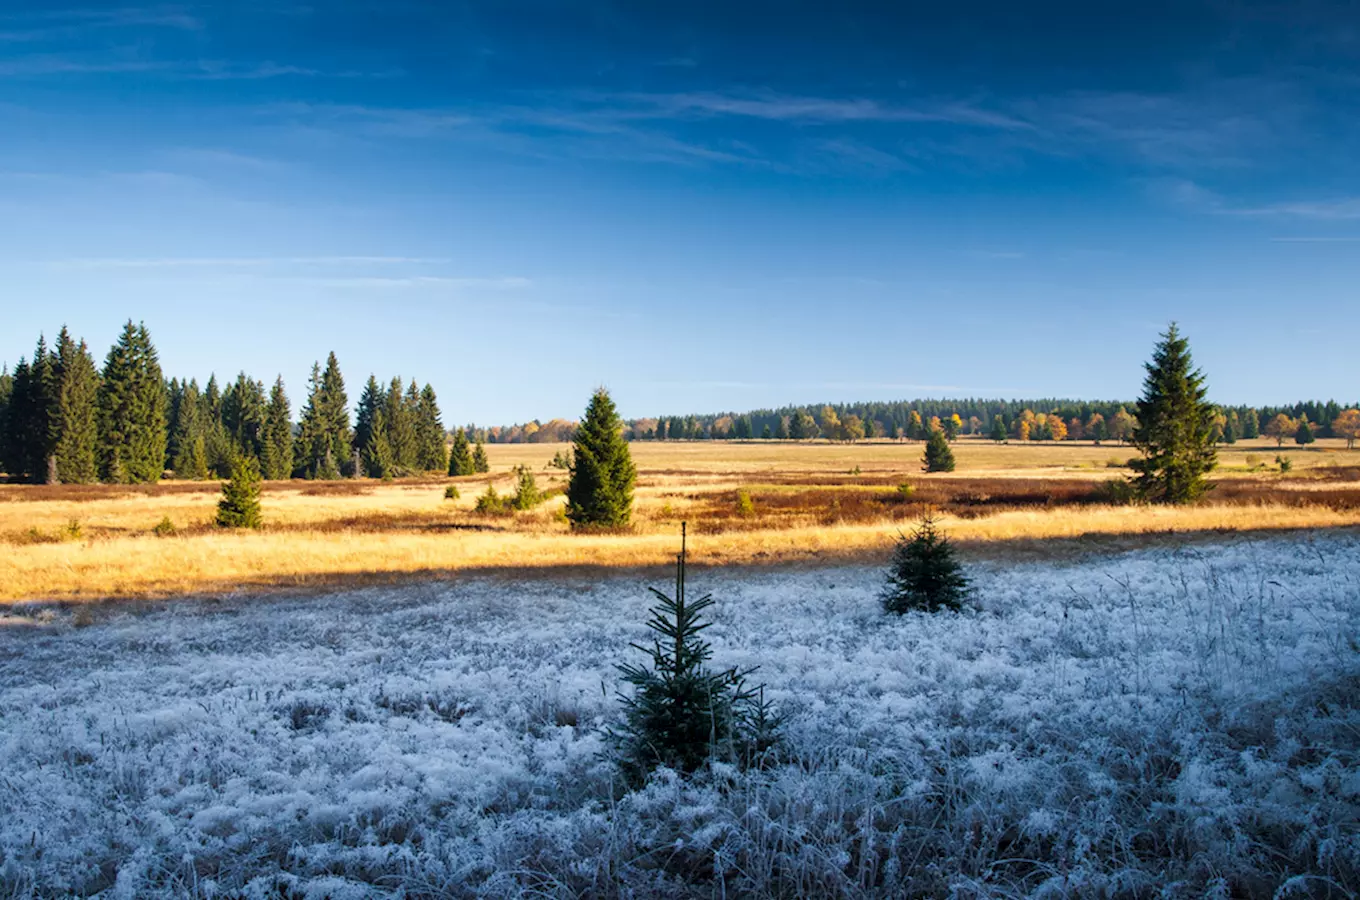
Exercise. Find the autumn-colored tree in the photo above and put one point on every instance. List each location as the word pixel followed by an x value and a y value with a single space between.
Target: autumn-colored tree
pixel 1347 426
pixel 1075 430
pixel 1281 427
pixel 953 426
pixel 1022 429
pixel 915 430
pixel 936 424
pixel 1122 425
pixel 831 424
pixel 1096 429
pixel 1057 429
pixel 852 429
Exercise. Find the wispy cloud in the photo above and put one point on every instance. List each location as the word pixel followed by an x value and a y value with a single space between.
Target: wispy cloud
pixel 1334 208
pixel 1340 239
pixel 53 64
pixel 239 262
pixel 59 24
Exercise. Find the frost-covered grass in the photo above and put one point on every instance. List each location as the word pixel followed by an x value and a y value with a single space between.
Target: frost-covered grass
pixel 1154 724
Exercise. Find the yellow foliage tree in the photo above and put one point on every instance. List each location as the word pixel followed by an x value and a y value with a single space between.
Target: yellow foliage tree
pixel 1347 425
pixel 1057 428
pixel 1281 427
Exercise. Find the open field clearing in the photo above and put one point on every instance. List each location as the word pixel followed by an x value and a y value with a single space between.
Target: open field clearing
pixel 808 502
pixel 1158 723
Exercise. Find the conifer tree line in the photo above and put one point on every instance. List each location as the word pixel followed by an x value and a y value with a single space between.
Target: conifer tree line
pixel 999 420
pixel 65 419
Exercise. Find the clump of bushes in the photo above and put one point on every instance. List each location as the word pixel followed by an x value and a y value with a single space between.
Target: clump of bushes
pixel 71 531
pixel 924 573
pixel 560 460
pixel 1285 463
pixel 491 503
pixel 1117 492
pixel 164 528
pixel 904 491
pixel 451 492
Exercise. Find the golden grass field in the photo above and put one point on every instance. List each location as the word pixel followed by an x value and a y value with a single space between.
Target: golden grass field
pixel 809 502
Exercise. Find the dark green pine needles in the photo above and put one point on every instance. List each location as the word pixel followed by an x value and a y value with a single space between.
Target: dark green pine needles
pixel 938 457
pixel 600 492
pixel 1175 431
pixel 924 574
pixel 240 503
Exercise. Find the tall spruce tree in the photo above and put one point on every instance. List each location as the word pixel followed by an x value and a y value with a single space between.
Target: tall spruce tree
pixel 401 431
pixel 6 396
pixel 34 418
pixel 77 395
pixel 433 455
pixel 377 456
pixel 191 453
pixel 324 447
pixel 243 415
pixel 13 451
pixel 998 429
pixel 370 401
pixel 1251 425
pixel 132 408
pixel 216 441
pixel 1175 426
pixel 276 457
pixel 480 464
pixel 600 490
pixel 460 457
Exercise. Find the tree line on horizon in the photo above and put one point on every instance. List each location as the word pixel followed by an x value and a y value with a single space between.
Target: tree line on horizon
pixel 64 419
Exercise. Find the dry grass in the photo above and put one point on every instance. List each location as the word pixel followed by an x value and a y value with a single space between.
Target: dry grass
pixel 809 502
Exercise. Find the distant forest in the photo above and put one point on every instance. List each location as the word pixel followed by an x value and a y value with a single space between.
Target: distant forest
pixel 65 419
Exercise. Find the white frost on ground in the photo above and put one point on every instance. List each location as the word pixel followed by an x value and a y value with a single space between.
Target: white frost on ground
pixel 1159 723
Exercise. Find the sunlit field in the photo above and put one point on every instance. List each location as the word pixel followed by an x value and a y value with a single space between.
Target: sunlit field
pixel 807 502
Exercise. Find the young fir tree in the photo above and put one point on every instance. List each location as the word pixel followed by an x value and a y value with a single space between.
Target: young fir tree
pixel 781 433
pixel 765 433
pixel 240 503
pixel 460 457
pixel 998 429
pixel 681 715
pixel 1305 433
pixel 600 488
pixel 1175 426
pixel 938 457
pixel 377 456
pixel 77 393
pixel 276 457
pixel 923 573
pixel 433 455
pixel 480 464
pixel 191 455
pixel 1251 425
pixel 132 408
pixel 527 495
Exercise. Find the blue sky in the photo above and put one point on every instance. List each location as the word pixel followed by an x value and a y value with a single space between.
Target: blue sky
pixel 702 207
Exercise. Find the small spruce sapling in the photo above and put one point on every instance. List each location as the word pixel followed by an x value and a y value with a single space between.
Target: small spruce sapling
pixel 681 715
pixel 527 495
pixel 240 503
pixel 924 573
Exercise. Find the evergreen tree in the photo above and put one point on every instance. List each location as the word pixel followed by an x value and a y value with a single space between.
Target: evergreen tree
pixel 1100 431
pixel 894 433
pixel 13 451
pixel 34 417
pixel 796 432
pixel 77 394
pixel 661 428
pixel 401 431
pixel 1251 425
pixel 378 459
pixel 460 457
pixel 433 455
pixel 681 715
pixel 998 429
pixel 276 457
pixel 1175 426
pixel 243 415
pixel 6 396
pixel 527 495
pixel 240 503
pixel 480 464
pixel 216 441
pixel 1233 430
pixel 938 457
pixel 191 456
pixel 765 434
pixel 132 408
pixel 600 489
pixel 324 446
pixel 781 433
pixel 370 401
pixel 923 573
pixel 1305 433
